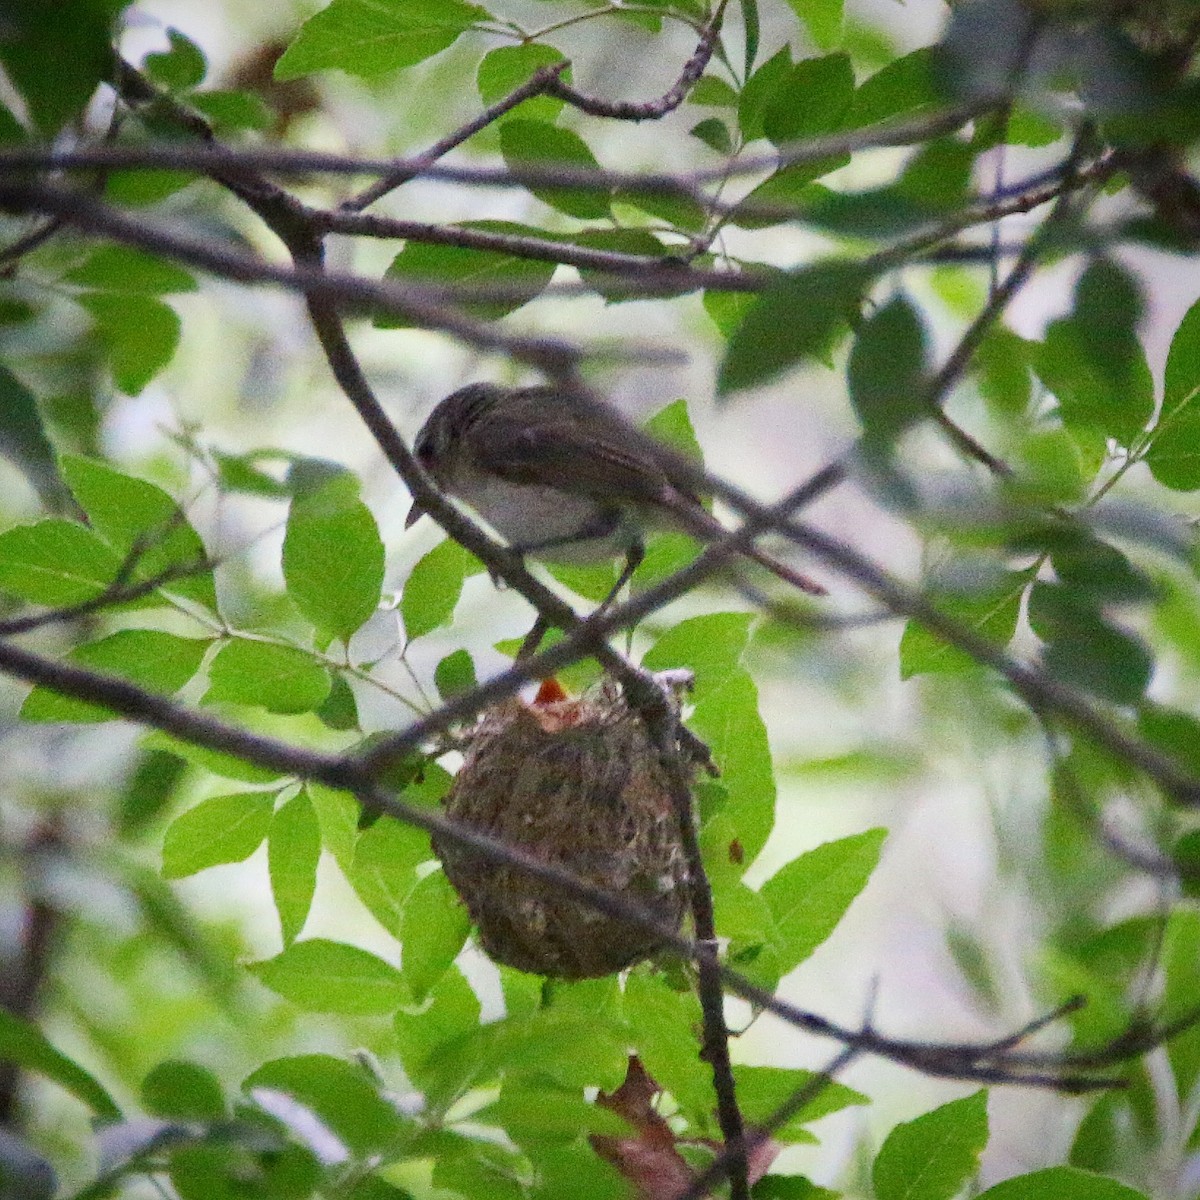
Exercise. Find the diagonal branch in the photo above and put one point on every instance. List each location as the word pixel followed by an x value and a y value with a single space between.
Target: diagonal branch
pixel 541 81
pixel 945 1060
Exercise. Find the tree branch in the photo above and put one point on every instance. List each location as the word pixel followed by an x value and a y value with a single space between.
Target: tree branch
pixel 343 772
pixel 650 110
pixel 541 81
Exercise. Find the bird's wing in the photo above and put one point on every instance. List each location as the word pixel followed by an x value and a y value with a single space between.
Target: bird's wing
pixel 580 448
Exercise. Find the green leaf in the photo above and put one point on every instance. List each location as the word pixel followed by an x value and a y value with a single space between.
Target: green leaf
pixel 151 786
pixel 1002 368
pixel 25 1046
pixel 1101 1141
pixel 990 608
pixel 710 646
pixel 751 24
pixel 823 18
pixel 160 662
pixel 230 111
pixel 713 91
pixel 343 1095
pixel 811 100
pixel 455 674
pixel 233 1167
pixel 534 1111
pixel 368 37
pixel 130 512
pixel 758 92
pixel 183 66
pixel 55 59
pixel 727 719
pixel 761 1090
pixel 339 710
pixel 24 441
pixel 809 896
pixel 323 976
pixel 337 815
pixel 228 766
pixel 878 213
pixel 281 679
pixel 140 334
pixel 887 373
pixel 575 1049
pixel 714 133
pixel 124 269
pixel 727 310
pixel 540 143
pixel 933 1156
pixel 140 188
pixel 433 929
pixel 662 1029
pixel 55 562
pixel 797 318
pixel 1092 360
pixel 221 829
pixel 182 1091
pixel 1180 952
pixel 433 588
pixel 11 130
pixel 1084 648
pixel 472 1167
pixel 504 69
pixel 1100 569
pixel 904 87
pixel 1173 731
pixel 333 557
pixel 1181 378
pixel 293 852
pixel 791 1187
pixel 246 473
pixel 672 425
pixel 450 1012
pixel 937 178
pixel 1061 1183
pixel 383 869
pixel 522 278
pixel 1174 453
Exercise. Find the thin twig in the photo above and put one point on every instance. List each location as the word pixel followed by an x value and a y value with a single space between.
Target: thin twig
pixel 208 159
pixel 649 110
pixel 118 592
pixel 956 363
pixel 719 1169
pixel 541 81
pixel 555 357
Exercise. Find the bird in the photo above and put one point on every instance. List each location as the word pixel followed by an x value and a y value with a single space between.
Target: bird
pixel 562 476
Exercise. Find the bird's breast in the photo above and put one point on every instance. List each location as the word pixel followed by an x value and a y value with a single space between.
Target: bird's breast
pixel 545 521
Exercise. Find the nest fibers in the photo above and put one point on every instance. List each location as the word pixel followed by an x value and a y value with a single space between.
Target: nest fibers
pixel 576 783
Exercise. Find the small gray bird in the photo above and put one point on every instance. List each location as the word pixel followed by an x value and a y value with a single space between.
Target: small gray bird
pixel 564 477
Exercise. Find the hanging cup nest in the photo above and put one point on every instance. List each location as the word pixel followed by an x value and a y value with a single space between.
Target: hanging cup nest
pixel 576 783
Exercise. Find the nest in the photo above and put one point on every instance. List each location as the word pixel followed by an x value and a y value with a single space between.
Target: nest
pixel 575 783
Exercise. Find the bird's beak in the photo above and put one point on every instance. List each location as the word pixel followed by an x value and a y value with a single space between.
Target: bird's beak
pixel 414 515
